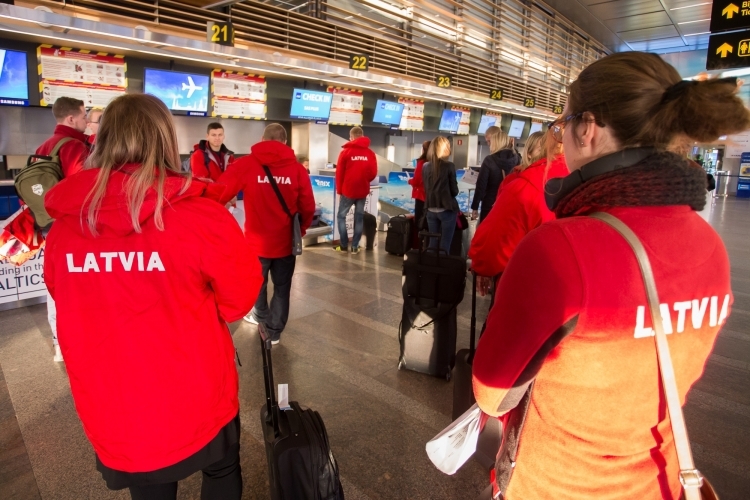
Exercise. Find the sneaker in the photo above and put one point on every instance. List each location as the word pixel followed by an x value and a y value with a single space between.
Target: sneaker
pixel 355 250
pixel 274 342
pixel 339 248
pixel 250 319
pixel 58 355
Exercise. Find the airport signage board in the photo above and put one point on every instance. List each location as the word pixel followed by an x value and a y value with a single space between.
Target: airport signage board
pixel 529 102
pixel 238 95
pixel 730 15
pixel 557 109
pixel 311 105
pixel 413 116
pixel 346 107
pixel 93 77
pixel 728 50
pixel 14 83
pixel 359 62
pixel 496 94
pixel 181 92
pixel 220 33
pixel 444 81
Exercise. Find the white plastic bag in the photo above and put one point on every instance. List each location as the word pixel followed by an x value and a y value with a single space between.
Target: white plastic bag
pixel 455 444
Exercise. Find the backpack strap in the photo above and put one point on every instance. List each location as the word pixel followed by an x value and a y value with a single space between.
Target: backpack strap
pixel 276 190
pixel 56 150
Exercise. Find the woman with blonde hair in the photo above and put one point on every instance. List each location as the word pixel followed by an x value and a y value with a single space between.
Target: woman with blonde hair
pixel 495 167
pixel 441 189
pixel 146 272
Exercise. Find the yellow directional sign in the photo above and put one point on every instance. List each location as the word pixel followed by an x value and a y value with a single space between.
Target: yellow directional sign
pixel 724 49
pixel 744 48
pixel 730 11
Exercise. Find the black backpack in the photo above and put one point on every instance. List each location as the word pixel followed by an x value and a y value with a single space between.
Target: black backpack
pixel 38 177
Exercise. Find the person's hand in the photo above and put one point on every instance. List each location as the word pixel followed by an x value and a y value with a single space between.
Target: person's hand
pixel 483 285
pixel 474 215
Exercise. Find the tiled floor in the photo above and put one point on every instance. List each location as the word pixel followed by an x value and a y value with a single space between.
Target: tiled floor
pixel 339 355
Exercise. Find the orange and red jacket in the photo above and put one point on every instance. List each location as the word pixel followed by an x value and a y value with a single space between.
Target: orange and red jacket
pixel 356 167
pixel 73 154
pixel 205 163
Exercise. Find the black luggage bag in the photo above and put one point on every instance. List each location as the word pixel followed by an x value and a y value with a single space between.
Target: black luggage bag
pixel 433 287
pixel 398 240
pixel 370 224
pixel 301 465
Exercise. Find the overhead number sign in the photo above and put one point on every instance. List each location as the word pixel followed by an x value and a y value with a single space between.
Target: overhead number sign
pixel 359 62
pixel 444 81
pixel 220 33
pixel 730 50
pixel 496 94
pixel 557 109
pixel 529 102
pixel 729 15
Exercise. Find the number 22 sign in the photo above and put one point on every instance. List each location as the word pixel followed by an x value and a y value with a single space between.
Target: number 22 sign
pixel 359 62
pixel 220 33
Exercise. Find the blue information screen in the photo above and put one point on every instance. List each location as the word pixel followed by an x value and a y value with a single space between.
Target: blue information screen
pixel 311 105
pixel 535 127
pixel 450 121
pixel 516 128
pixel 179 91
pixel 487 122
pixel 14 83
pixel 388 113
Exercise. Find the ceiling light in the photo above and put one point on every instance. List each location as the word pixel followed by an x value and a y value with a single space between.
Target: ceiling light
pixel 690 6
pixel 701 33
pixel 698 21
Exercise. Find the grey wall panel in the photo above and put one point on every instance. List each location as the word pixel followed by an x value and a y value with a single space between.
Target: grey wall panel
pixel 22 130
pixel 240 134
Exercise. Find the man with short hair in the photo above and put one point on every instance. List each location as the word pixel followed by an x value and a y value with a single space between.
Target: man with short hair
pixel 268 228
pixel 70 115
pixel 357 166
pixel 210 156
pixel 92 119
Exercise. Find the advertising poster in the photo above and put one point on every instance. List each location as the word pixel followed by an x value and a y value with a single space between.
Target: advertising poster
pixel 465 192
pixel 371 207
pixel 737 144
pixel 22 282
pixel 397 191
pixel 413 117
pixel 463 126
pixel 324 191
pixel 94 77
pixel 14 84
pixel 238 95
pixel 346 107
pixel 179 91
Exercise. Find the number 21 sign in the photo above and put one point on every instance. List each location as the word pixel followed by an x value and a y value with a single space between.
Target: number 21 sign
pixel 220 33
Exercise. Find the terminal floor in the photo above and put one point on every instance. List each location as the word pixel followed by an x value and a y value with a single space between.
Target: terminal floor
pixel 339 356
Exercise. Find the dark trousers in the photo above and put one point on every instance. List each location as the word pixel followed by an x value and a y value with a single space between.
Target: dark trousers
pixel 221 481
pixel 418 211
pixel 275 315
pixel 443 223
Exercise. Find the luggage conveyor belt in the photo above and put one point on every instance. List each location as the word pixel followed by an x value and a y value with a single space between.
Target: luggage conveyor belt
pixel 386 211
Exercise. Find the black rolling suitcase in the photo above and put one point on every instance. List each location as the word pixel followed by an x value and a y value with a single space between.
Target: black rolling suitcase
pixel 370 224
pixel 433 287
pixel 300 461
pixel 398 240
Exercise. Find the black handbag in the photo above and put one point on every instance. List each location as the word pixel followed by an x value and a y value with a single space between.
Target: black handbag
pixel 296 228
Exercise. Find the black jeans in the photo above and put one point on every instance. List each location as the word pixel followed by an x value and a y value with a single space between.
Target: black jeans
pixel 221 481
pixel 276 315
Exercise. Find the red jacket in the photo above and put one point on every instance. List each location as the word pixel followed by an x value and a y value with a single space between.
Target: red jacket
pixel 571 311
pixel 267 227
pixel 73 154
pixel 417 183
pixel 142 318
pixel 355 169
pixel 205 163
pixel 519 208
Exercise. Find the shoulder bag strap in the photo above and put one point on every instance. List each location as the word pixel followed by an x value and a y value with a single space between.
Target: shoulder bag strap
pixel 276 190
pixel 690 478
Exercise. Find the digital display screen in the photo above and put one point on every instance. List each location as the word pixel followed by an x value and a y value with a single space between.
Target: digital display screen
pixel 14 83
pixel 179 91
pixel 388 113
pixel 310 105
pixel 516 128
pixel 487 122
pixel 535 127
pixel 450 121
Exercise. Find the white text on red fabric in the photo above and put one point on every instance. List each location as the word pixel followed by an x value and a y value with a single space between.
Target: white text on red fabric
pixel 130 261
pixel 698 309
pixel 358 158
pixel 279 180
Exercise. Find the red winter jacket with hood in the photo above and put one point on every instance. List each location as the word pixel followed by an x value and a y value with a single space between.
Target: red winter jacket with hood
pixel 205 163
pixel 356 167
pixel 73 154
pixel 519 208
pixel 267 227
pixel 142 317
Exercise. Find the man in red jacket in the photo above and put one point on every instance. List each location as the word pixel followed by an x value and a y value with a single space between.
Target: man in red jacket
pixel 355 169
pixel 210 156
pixel 70 115
pixel 268 228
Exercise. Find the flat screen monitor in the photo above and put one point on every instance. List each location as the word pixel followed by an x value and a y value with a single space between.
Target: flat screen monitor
pixel 486 122
pixel 14 83
pixel 388 113
pixel 516 128
pixel 450 121
pixel 535 127
pixel 179 91
pixel 311 105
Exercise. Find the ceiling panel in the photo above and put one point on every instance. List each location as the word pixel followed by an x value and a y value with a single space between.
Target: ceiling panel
pixel 642 21
pixel 662 43
pixel 649 33
pixel 614 9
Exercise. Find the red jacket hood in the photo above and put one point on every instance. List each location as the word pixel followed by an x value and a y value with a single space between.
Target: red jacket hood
pixel 273 154
pixel 68 198
pixel 359 142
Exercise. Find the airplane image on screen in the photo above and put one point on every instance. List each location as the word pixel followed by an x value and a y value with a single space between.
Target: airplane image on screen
pixel 192 87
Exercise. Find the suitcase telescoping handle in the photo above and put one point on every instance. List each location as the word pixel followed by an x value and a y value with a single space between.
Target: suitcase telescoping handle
pixel 473 336
pixel 271 404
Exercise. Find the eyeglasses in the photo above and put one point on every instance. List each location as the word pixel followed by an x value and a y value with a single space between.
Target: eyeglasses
pixel 556 127
pixel 92 122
